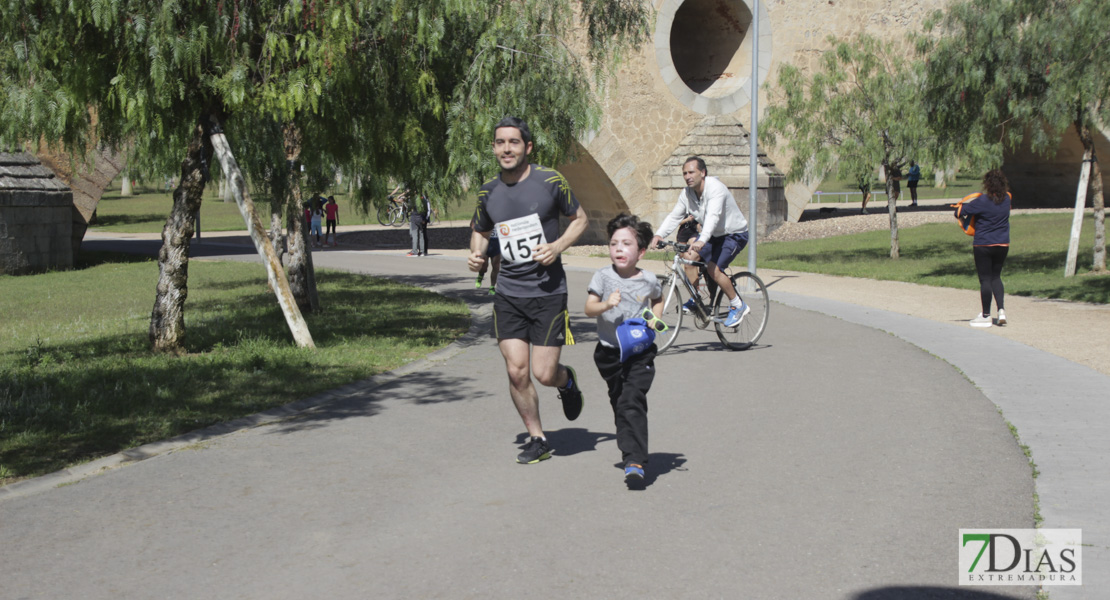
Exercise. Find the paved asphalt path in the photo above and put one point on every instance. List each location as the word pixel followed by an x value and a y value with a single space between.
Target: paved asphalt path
pixel 832 461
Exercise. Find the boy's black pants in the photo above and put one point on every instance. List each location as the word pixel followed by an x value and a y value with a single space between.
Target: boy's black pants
pixel 628 383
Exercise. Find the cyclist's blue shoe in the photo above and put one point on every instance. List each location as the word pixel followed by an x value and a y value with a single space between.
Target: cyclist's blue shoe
pixel 735 315
pixel 633 473
pixel 688 306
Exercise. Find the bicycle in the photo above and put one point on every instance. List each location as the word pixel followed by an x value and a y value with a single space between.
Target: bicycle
pixel 711 304
pixel 395 213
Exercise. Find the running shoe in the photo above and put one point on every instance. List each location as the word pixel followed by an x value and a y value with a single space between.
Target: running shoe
pixel 572 398
pixel 688 306
pixel 534 451
pixel 633 473
pixel 981 320
pixel 735 315
pixel 478 281
pixel 492 291
pixel 412 254
pixel 1001 317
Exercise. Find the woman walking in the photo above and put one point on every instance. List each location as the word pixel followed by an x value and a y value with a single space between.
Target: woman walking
pixel 989 215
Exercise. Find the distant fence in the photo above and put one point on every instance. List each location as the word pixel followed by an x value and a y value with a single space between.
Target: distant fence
pixel 841 197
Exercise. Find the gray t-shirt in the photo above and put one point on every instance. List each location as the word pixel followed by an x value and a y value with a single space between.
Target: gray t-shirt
pixel 637 294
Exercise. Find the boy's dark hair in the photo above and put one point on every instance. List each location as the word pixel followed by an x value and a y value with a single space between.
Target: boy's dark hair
pixel 510 121
pixel 701 164
pixel 643 229
pixel 996 186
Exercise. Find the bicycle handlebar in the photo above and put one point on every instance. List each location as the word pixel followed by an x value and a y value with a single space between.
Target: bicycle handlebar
pixel 679 247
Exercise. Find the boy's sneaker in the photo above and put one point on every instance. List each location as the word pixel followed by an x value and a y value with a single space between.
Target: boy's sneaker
pixel 981 320
pixel 633 473
pixel 478 281
pixel 534 451
pixel 1001 317
pixel 688 306
pixel 572 398
pixel 412 254
pixel 735 315
pixel 492 291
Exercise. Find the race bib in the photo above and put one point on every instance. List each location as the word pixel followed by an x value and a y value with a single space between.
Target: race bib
pixel 519 237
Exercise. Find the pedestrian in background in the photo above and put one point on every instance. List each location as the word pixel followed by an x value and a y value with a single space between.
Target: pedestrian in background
pixel 988 215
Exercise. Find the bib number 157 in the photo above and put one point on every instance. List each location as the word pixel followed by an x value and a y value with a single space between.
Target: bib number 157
pixel 519 237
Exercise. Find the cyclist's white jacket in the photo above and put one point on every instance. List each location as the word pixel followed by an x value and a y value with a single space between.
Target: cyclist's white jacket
pixel 716 210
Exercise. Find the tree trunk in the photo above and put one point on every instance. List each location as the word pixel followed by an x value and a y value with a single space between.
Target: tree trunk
pixel 302 275
pixel 1099 200
pixel 167 320
pixel 125 184
pixel 1080 197
pixel 1099 256
pixel 274 272
pixel 892 208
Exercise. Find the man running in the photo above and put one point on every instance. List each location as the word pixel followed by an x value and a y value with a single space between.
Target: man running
pixel 724 230
pixel 530 319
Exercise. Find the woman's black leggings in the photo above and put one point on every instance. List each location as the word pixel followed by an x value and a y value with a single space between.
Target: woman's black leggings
pixel 988 263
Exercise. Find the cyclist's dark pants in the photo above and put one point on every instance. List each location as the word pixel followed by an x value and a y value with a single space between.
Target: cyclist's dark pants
pixel 628 383
pixel 988 263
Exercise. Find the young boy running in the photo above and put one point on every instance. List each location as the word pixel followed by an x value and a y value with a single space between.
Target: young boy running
pixel 618 293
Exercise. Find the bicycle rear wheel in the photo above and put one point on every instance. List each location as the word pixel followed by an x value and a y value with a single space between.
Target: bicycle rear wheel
pixel 747 332
pixel 397 216
pixel 384 215
pixel 671 315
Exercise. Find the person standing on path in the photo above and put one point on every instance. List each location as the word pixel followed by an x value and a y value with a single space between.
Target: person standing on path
pixel 724 231
pixel 331 210
pixel 530 319
pixel 989 214
pixel 418 224
pixel 618 297
pixel 912 178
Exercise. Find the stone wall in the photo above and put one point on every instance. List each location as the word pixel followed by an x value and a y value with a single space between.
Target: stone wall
pixel 660 93
pixel 36 221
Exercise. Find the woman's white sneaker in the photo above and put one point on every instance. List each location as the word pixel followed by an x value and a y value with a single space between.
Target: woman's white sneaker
pixel 1001 317
pixel 981 321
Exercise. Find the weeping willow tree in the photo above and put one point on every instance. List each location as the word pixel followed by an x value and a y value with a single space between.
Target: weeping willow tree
pixel 859 109
pixel 388 90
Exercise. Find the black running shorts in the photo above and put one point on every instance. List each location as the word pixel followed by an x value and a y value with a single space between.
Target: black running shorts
pixel 540 321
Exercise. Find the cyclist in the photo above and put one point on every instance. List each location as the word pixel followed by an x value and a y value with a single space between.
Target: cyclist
pixel 530 319
pixel 724 230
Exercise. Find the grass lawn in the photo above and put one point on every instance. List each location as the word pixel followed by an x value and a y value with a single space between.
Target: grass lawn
pixel 939 254
pixel 147 210
pixel 77 381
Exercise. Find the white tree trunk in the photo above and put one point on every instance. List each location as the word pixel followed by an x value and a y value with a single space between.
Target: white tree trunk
pixel 1077 217
pixel 125 185
pixel 274 272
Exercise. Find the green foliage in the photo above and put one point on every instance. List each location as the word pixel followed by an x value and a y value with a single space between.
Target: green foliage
pixel 1006 71
pixel 386 90
pixel 858 110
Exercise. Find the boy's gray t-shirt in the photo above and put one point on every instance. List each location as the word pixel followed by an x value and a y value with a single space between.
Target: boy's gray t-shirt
pixel 636 295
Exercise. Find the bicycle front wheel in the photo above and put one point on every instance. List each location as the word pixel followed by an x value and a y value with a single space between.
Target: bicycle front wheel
pixel 397 216
pixel 751 326
pixel 671 315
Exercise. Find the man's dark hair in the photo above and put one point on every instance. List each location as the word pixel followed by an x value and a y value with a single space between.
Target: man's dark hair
pixel 643 229
pixel 701 164
pixel 996 186
pixel 508 121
